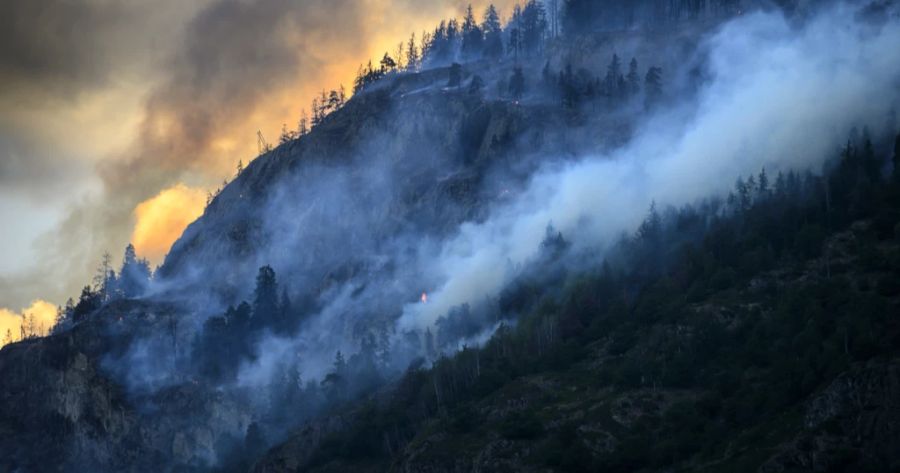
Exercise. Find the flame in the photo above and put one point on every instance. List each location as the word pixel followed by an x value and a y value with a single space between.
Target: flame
pixel 424 298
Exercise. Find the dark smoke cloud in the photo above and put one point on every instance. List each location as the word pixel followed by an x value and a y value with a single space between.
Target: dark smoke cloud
pixel 60 44
pixel 203 76
pixel 234 55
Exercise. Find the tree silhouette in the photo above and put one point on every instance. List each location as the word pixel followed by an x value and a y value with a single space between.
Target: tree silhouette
pixel 412 54
pixel 653 85
pixel 455 79
pixel 534 26
pixel 134 275
pixel 472 35
pixel 265 297
pixel 633 79
pixel 614 79
pixel 517 84
pixel 493 33
pixel 387 63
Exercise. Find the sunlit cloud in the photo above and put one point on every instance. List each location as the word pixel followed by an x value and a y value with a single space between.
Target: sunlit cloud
pixel 38 318
pixel 176 94
pixel 161 219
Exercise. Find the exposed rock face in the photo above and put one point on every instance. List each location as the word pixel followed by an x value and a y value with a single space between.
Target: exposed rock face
pixel 298 451
pixel 63 408
pixel 60 410
pixel 854 421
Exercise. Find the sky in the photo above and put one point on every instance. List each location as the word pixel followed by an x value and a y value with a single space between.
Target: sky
pixel 118 116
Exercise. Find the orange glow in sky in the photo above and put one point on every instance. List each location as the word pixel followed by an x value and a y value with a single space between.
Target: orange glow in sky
pixel 161 219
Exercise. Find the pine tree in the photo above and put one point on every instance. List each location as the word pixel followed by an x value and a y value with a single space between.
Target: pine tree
pixel 265 297
pixel 534 26
pixel 517 84
pixel 553 6
pixel 303 124
pixel 469 21
pixel 293 385
pixel 567 88
pixel 412 54
pixel 335 101
pixel 286 136
pixel 323 99
pixel 358 84
pixel 762 189
pixel 387 63
pixel 339 365
pixel 613 77
pixel 316 114
pixel 634 80
pixel 452 32
pixel 134 275
pixel 60 318
pixel 472 35
pixel 240 317
pixel 869 161
pixel 493 33
pixel 744 193
pixel 285 310
pixel 399 54
pixel 653 85
pixel 515 32
pixel 430 351
pixel 103 280
pixel 455 79
pixel 426 44
pixel 335 381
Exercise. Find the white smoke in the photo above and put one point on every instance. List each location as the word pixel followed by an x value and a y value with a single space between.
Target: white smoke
pixel 780 97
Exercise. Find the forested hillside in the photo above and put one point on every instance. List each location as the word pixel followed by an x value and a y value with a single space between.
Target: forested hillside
pixel 577 236
pixel 764 339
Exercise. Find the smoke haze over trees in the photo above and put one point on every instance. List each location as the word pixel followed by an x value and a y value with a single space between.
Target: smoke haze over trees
pixel 494 196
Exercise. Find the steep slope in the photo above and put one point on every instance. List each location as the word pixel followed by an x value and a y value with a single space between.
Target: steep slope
pixel 432 146
pixel 118 393
pixel 687 351
pixel 62 409
pixel 789 365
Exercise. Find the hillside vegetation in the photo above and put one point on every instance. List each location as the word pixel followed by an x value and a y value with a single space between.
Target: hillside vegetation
pixel 766 340
pixel 521 247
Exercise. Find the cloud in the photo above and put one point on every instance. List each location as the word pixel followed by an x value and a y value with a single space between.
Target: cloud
pixel 161 219
pixel 40 314
pixel 116 101
pixel 59 43
pixel 61 48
